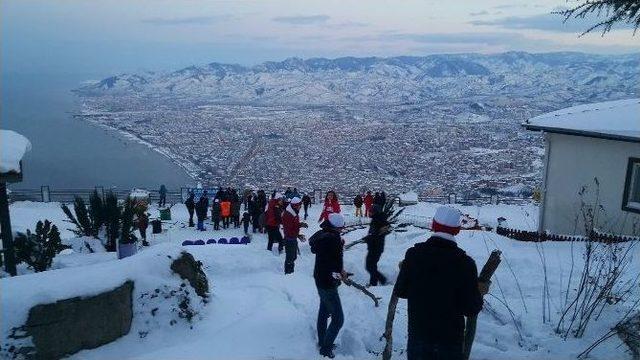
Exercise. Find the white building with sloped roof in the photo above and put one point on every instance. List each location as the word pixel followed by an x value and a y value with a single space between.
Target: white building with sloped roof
pixel 591 168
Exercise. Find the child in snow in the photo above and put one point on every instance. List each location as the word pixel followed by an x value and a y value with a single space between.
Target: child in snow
pixel 246 220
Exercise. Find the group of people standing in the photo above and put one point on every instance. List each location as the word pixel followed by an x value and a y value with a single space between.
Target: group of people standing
pixel 439 281
pixel 225 209
pixel 368 201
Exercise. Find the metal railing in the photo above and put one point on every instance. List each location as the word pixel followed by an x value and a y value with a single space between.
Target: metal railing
pixel 48 194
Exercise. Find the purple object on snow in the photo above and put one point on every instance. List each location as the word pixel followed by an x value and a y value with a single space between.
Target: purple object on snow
pixel 126 250
pixel 199 242
pixel 187 242
pixel 222 241
pixel 245 240
pixel 234 240
pixel 211 241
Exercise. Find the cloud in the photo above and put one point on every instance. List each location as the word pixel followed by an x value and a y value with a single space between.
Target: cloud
pixel 479 13
pixel 190 20
pixel 302 20
pixel 545 22
pixel 489 38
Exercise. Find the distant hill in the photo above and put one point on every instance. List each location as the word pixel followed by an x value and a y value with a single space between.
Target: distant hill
pixel 394 80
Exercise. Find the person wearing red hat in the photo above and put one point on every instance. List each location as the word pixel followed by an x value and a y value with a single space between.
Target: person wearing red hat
pixel 291 227
pixel 440 283
pixel 331 206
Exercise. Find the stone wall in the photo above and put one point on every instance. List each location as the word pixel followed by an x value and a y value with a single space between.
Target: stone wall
pixel 70 325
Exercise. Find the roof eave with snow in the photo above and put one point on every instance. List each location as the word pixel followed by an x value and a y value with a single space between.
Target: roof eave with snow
pixel 613 120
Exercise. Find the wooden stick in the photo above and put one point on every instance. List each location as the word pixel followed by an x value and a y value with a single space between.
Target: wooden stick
pixel 485 275
pixel 388 328
pixel 360 287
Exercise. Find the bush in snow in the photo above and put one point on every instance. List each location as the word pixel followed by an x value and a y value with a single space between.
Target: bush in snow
pixel 112 213
pixel 96 212
pixel 126 235
pixel 81 219
pixel 38 250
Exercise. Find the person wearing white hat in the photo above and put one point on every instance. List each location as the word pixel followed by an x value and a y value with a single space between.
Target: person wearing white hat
pixel 328 271
pixel 291 227
pixel 440 283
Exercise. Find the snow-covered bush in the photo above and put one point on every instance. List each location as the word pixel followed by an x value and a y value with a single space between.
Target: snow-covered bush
pixel 38 249
pixel 81 219
pixel 126 223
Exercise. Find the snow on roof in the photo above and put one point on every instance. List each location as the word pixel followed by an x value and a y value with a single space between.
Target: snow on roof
pixel 13 146
pixel 619 120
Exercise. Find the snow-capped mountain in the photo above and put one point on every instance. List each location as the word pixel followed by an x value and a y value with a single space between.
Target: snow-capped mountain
pixel 403 79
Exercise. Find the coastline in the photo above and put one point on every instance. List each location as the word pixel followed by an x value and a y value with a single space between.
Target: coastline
pixel 174 158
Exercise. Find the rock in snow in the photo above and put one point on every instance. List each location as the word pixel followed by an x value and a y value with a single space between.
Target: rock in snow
pixel 13 146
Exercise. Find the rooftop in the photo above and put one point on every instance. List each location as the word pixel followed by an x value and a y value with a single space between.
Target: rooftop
pixel 616 120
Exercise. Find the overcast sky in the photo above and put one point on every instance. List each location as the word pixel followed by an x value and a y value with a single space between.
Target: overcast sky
pixel 112 36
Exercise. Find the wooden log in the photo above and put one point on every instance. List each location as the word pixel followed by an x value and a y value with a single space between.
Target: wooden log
pixel 486 273
pixel 388 328
pixel 349 282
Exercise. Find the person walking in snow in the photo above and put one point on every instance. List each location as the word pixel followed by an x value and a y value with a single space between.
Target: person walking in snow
pixel 328 271
pixel 235 208
pixel 378 230
pixel 440 283
pixel 215 214
pixel 246 220
pixel 191 207
pixel 291 227
pixel 143 224
pixel 225 212
pixel 163 196
pixel 331 206
pixel 383 198
pixel 306 202
pixel 273 219
pixel 368 202
pixel 201 210
pixel 357 202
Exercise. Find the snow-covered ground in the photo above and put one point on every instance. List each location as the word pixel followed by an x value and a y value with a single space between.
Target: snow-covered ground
pixel 256 312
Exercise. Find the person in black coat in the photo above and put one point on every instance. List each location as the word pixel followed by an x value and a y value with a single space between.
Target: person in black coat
pixel 201 210
pixel 215 214
pixel 306 202
pixel 327 273
pixel 378 230
pixel 441 285
pixel 191 207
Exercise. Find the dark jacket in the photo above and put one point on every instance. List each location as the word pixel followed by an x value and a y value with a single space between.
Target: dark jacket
pixel 440 283
pixel 306 200
pixel 357 201
pixel 190 203
pixel 327 245
pixel 202 207
pixel 215 210
pixel 375 238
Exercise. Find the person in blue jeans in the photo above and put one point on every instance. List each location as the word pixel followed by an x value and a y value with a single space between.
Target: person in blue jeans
pixel 327 245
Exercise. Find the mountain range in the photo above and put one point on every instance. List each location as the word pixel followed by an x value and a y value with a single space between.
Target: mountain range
pixel 511 76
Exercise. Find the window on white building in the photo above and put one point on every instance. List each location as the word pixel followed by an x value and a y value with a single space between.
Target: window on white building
pixel 631 199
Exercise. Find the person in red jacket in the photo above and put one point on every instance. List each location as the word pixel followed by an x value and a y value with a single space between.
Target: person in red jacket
pixel 368 203
pixel 291 227
pixel 272 220
pixel 225 212
pixel 331 206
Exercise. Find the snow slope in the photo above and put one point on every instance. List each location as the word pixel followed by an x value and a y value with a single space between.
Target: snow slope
pixel 256 312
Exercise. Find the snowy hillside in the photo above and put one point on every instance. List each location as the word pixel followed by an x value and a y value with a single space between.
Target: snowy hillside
pixel 256 312
pixel 403 79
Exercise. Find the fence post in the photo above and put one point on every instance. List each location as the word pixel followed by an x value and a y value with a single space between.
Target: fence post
pixel 45 193
pixel 452 198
